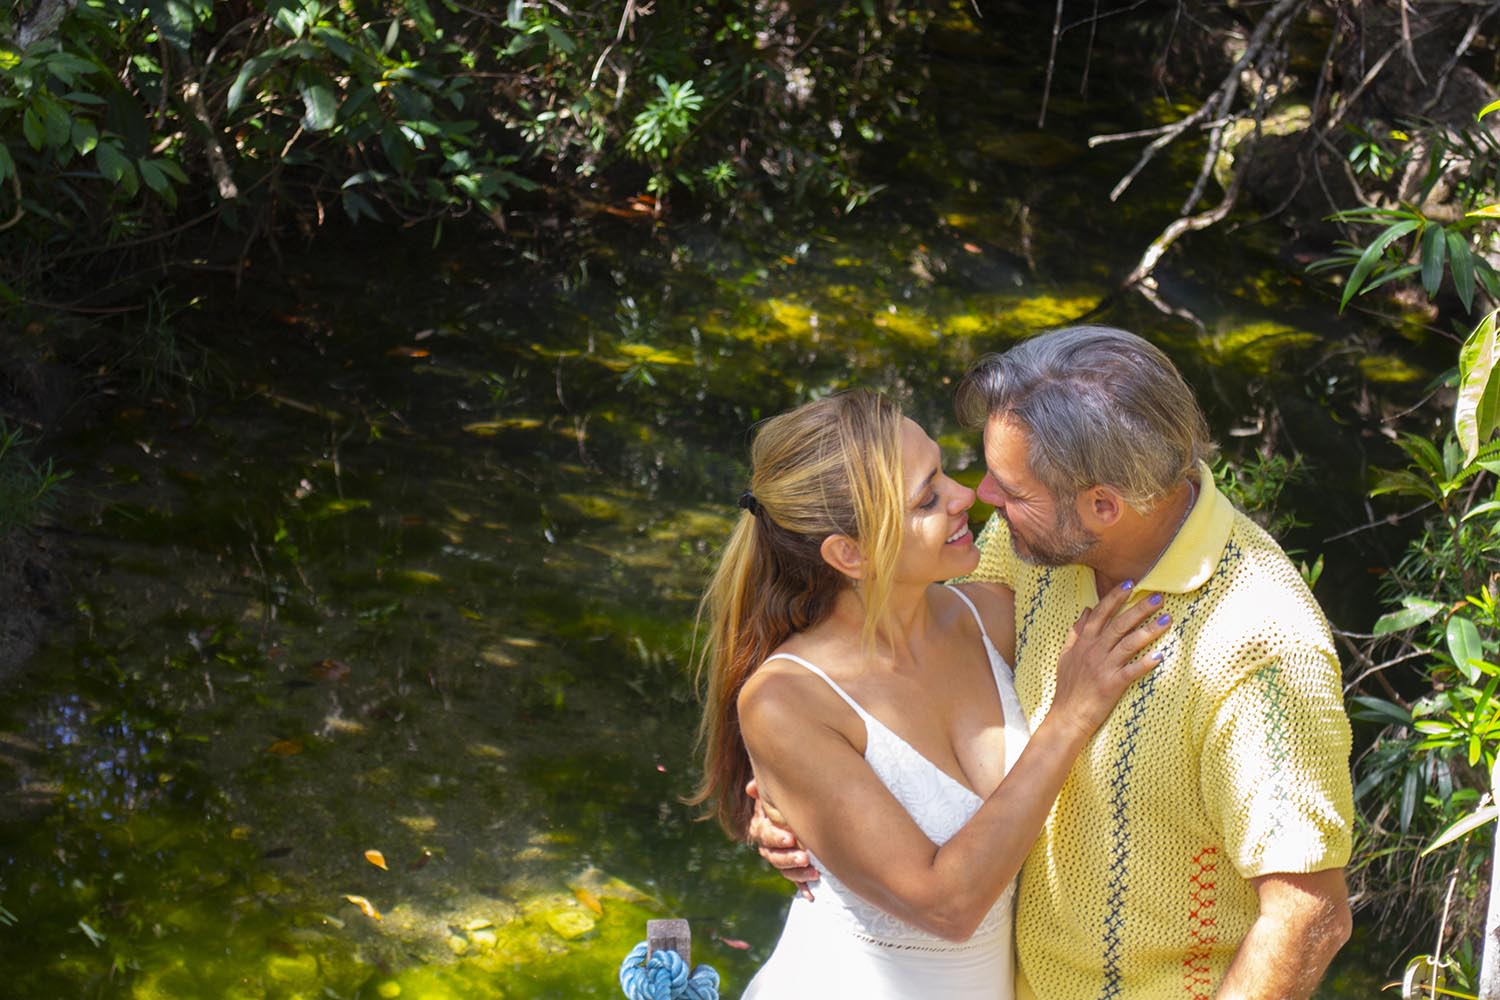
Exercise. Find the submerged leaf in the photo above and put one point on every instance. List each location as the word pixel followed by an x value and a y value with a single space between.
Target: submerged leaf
pixel 285 748
pixel 365 907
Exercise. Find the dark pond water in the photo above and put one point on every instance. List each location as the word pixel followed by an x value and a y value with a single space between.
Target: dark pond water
pixel 422 582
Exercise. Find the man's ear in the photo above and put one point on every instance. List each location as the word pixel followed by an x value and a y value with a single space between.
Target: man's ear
pixel 1100 507
pixel 840 552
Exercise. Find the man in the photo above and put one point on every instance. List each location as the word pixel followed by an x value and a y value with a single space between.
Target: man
pixel 1197 848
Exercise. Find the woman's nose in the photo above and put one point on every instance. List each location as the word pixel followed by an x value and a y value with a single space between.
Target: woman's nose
pixel 963 498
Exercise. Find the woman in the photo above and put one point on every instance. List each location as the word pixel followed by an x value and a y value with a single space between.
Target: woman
pixel 830 642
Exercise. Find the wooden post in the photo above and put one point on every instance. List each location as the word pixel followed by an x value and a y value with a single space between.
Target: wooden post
pixel 670 935
pixel 1489 964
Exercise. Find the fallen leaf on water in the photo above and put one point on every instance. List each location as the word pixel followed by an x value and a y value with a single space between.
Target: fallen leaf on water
pixel 377 859
pixel 331 670
pixel 736 943
pixel 365 907
pixel 285 748
pixel 590 900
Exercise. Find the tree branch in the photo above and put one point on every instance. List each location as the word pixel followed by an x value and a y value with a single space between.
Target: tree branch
pixel 43 21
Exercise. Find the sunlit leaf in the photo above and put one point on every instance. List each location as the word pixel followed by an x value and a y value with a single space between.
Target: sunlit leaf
pixel 365 907
pixel 1477 410
pixel 1434 255
pixel 1473 821
pixel 1372 255
pixel 1487 212
pixel 1487 109
pixel 1421 978
pixel 1464 646
pixel 1417 611
pixel 378 860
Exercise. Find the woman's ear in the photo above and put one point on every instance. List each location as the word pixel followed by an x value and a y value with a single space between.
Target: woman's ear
pixel 840 552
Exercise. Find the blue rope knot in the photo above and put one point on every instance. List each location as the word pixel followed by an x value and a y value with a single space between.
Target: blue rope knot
pixel 665 977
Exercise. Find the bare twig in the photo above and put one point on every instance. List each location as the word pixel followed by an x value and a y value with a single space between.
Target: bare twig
pixel 1177 228
pixel 1458 53
pixel 15 183
pixel 1041 120
pixel 1411 55
pixel 1218 102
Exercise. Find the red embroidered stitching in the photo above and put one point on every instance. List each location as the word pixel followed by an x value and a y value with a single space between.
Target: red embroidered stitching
pixel 1203 930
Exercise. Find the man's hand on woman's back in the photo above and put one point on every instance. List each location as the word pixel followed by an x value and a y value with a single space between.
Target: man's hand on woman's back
pixel 777 844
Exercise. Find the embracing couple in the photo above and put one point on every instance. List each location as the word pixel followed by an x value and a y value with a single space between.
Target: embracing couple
pixel 1166 770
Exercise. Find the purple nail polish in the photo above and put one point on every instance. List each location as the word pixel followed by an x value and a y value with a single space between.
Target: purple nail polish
pixel 1154 600
pixel 1164 619
pixel 1158 657
pixel 1127 585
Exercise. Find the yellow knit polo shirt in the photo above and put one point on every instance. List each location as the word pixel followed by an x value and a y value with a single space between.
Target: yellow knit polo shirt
pixel 1230 760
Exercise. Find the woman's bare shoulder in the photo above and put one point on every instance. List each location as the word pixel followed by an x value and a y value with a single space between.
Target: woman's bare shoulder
pixel 997 608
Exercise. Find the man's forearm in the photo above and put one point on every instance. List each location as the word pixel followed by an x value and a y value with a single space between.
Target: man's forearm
pixel 1304 921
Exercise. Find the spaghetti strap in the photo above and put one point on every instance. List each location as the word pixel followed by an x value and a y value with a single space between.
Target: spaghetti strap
pixel 826 679
pixel 975 612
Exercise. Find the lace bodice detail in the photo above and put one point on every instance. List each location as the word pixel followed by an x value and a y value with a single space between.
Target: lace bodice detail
pixel 937 803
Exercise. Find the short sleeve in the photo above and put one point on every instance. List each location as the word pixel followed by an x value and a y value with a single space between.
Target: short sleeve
pixel 1275 767
pixel 997 557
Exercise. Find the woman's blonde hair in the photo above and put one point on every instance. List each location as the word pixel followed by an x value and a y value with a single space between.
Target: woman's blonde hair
pixel 830 467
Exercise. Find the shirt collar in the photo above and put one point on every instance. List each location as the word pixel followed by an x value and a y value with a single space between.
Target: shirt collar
pixel 1194 551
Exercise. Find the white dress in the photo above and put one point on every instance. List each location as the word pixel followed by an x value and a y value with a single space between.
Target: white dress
pixel 838 945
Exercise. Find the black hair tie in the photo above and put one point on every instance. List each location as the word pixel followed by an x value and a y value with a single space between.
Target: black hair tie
pixel 748 502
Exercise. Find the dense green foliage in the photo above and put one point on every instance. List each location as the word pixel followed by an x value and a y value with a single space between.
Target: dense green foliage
pixel 126 117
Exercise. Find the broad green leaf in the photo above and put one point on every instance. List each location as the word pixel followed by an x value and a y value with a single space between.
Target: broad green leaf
pixel 176 22
pixel 252 68
pixel 152 175
pixel 1394 274
pixel 1464 645
pixel 112 163
pixel 85 136
pixel 1417 611
pixel 1372 255
pixel 1380 709
pixel 1461 261
pixel 1410 792
pixel 1473 821
pixel 320 101
pixel 1434 254
pixel 171 169
pixel 1477 410
pixel 561 41
pixel 58 122
pixel 356 205
pixel 33 130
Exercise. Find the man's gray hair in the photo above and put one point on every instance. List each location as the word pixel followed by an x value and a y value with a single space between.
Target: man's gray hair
pixel 1100 406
